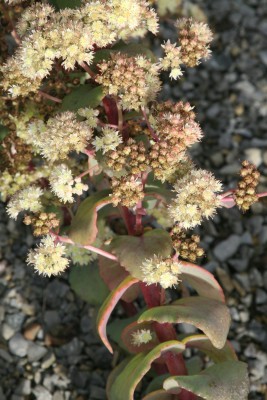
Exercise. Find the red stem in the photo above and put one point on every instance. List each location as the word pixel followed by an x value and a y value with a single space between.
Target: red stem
pixel 128 219
pixel 49 97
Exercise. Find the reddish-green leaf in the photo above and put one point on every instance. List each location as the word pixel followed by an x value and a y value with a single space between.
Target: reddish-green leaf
pixel 132 251
pixel 159 395
pixel 114 374
pixel 108 306
pixel 83 228
pixel 202 343
pixel 125 384
pixel 127 337
pixel 202 281
pixel 211 316
pixel 223 381
pixel 113 274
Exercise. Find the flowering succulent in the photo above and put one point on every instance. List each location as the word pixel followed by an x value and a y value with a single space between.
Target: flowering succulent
pixel 91 153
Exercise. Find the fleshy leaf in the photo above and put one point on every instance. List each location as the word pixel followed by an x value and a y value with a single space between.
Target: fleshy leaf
pixel 210 316
pixel 202 343
pixel 127 337
pixel 125 384
pixel 114 374
pixel 83 96
pixel 223 381
pixel 202 281
pixel 132 251
pixel 159 395
pixel 113 274
pixel 108 306
pixel 86 283
pixel 83 229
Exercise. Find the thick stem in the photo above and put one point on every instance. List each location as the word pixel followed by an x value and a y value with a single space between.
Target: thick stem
pixel 128 219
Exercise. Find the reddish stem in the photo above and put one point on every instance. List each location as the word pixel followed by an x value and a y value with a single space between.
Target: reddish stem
pixel 111 110
pixel 129 308
pixel 87 69
pixel 128 219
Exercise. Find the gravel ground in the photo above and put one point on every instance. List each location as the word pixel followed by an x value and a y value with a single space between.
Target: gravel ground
pixel 48 346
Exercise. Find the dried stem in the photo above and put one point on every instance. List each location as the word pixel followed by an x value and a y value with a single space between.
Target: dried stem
pixel 49 97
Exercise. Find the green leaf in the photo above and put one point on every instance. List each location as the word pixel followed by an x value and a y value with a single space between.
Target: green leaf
pixel 108 306
pixel 202 343
pixel 3 132
pixel 202 281
pixel 223 381
pixel 125 384
pixel 87 284
pixel 83 229
pixel 156 383
pixel 132 251
pixel 116 327
pixel 60 4
pixel 211 316
pixel 115 373
pixel 83 96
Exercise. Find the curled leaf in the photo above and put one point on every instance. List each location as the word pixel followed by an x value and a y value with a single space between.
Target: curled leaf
pixel 108 306
pixel 210 316
pixel 223 381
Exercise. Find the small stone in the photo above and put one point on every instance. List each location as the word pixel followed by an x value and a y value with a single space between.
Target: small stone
pixel 97 393
pixel 261 296
pixel 225 279
pixel 41 393
pixel 263 57
pixel 7 331
pixel 2 313
pixel 36 352
pixel 5 356
pixel 239 265
pixel 24 388
pixel 254 155
pixel 58 395
pixel 48 361
pixel 51 318
pixel 31 331
pixel 18 345
pixel 227 248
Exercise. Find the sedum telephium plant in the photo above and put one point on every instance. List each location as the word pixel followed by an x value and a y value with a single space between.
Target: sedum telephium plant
pixel 101 171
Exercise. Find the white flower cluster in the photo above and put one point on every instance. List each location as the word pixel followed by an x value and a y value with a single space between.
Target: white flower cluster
pixel 109 140
pixel 64 185
pixel 195 198
pixel 25 199
pixel 59 136
pixel 49 257
pixel 172 60
pixel 162 271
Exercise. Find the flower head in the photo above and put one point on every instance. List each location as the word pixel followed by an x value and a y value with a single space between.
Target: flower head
pixel 159 270
pixel 142 336
pixel 49 257
pixel 195 198
pixel 27 199
pixel 79 255
pixel 108 141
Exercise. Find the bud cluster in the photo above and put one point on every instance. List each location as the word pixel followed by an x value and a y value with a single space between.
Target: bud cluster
pixel 245 194
pixel 126 191
pixel 135 80
pixel 42 223
pixel 187 247
pixel 177 130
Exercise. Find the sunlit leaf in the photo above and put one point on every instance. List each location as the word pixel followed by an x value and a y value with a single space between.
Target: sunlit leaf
pixel 210 316
pixel 108 306
pixel 125 384
pixel 202 343
pixel 83 228
pixel 87 284
pixel 223 381
pixel 132 251
pixel 202 281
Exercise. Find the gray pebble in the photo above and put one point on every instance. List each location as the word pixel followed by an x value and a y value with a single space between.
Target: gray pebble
pixel 97 393
pixel 41 393
pixel 36 352
pixel 261 296
pixel 18 345
pixel 226 249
